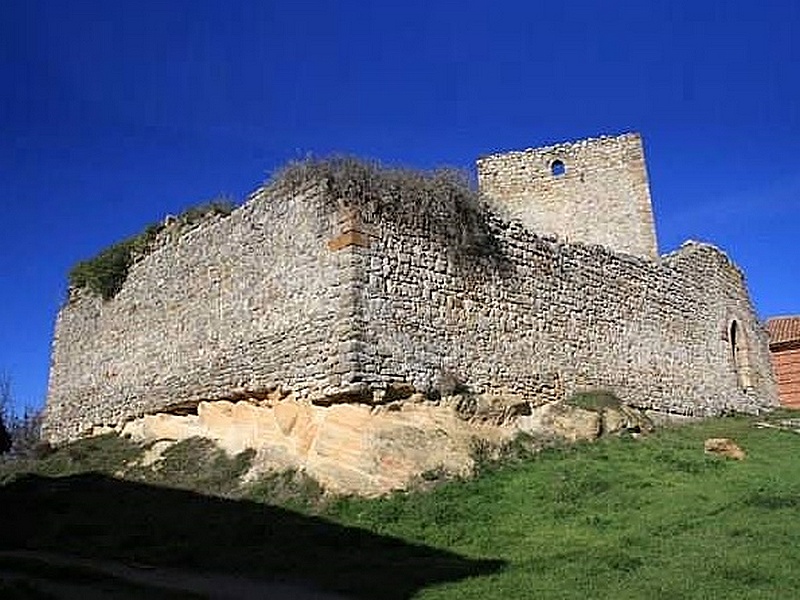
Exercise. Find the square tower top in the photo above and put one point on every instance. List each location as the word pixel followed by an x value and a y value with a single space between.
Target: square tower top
pixel 593 191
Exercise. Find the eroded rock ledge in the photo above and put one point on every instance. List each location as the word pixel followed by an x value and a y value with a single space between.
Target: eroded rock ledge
pixel 369 450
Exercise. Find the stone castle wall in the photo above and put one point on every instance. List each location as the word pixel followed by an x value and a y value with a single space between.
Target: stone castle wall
pixel 318 295
pixel 601 197
pixel 544 319
pixel 244 302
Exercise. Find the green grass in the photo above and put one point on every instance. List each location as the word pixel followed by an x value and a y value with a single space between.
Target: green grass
pixel 197 464
pixel 290 489
pixel 623 518
pixel 105 454
pixel 653 517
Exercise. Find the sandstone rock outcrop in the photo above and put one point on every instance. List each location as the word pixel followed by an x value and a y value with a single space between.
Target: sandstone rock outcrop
pixel 724 447
pixel 370 450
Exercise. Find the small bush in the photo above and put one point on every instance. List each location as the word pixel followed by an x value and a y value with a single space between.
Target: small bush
pixel 198 464
pixel 595 400
pixel 5 437
pixel 107 454
pixel 291 488
pixel 772 500
pixel 26 436
pixel 441 203
pixel 105 274
pixel 488 457
pixel 197 214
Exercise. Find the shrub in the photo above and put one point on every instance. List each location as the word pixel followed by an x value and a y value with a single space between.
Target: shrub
pixel 26 435
pixel 104 274
pixel 5 438
pixel 291 488
pixel 488 457
pixel 106 454
pixel 199 464
pixel 19 435
pixel 596 400
pixel 441 203
pixel 197 214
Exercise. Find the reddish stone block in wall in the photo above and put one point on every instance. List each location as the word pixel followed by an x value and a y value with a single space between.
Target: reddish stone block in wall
pixel 349 238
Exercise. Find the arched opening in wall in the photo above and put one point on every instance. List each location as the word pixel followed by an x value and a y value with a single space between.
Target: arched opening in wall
pixel 558 168
pixel 740 356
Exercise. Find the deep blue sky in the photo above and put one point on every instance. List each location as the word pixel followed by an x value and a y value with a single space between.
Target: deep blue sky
pixel 115 113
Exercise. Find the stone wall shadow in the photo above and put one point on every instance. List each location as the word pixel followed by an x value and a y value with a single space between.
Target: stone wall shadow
pixel 92 515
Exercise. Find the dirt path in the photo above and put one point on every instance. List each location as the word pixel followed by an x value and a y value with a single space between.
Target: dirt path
pixel 68 577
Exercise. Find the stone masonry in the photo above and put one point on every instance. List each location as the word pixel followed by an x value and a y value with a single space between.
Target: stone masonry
pixel 594 191
pixel 312 292
pixel 247 302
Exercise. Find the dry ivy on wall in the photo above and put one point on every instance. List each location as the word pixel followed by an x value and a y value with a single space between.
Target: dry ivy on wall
pixel 441 203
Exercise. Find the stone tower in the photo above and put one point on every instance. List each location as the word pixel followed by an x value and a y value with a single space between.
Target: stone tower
pixel 593 191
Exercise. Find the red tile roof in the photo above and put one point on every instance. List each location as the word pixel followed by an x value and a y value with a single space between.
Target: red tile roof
pixel 783 329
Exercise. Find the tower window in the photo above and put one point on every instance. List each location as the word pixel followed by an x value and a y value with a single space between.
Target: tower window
pixel 558 168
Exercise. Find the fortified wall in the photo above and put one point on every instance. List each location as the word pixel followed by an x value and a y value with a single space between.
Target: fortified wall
pixel 246 302
pixel 343 290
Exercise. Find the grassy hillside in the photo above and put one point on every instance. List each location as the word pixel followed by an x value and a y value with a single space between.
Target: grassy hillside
pixel 622 518
pixel 653 518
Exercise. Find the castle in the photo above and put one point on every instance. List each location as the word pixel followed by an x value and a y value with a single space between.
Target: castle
pixel 351 290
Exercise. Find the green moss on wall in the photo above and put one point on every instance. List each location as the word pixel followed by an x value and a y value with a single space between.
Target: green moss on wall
pixel 105 273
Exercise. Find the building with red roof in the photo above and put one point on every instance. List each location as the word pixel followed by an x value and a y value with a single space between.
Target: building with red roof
pixel 784 345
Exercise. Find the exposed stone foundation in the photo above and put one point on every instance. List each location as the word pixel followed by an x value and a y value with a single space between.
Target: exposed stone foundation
pixel 368 450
